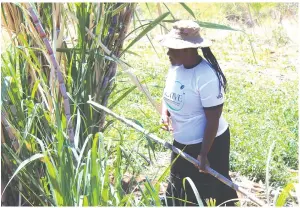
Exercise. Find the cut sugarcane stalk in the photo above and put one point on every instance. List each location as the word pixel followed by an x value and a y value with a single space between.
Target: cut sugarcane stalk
pixel 178 151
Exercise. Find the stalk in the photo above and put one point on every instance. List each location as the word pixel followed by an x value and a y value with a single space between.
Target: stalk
pixel 53 60
pixel 178 151
pixel 164 28
pixel 126 69
pixel 9 130
pixel 125 19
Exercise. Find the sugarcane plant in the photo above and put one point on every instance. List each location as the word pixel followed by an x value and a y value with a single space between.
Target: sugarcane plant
pixel 51 139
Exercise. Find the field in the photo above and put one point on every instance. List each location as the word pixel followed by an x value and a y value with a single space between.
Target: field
pixel 259 59
pixel 261 103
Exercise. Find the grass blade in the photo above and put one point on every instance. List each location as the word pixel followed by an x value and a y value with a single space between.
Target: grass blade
pixel 136 29
pixel 119 9
pixel 215 26
pixel 105 186
pixel 21 166
pixel 95 171
pixel 200 203
pixel 146 30
pixel 165 173
pixel 153 193
pixel 267 170
pixel 77 130
pixel 117 171
pixel 284 195
pixel 169 11
pixel 121 97
pixel 54 181
pixel 36 84
pixel 87 184
pixel 209 25
pixel 188 9
pixel 85 201
pixel 82 152
pixel 147 34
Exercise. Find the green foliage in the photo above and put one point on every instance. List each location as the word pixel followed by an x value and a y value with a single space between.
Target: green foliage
pixel 280 36
pixel 67 175
pixel 284 195
pixel 255 111
pixel 200 203
pixel 53 172
pixel 211 202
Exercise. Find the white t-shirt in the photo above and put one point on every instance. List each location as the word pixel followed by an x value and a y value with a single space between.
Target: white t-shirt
pixel 186 92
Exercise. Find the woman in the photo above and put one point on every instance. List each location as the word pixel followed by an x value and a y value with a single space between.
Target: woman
pixel 193 100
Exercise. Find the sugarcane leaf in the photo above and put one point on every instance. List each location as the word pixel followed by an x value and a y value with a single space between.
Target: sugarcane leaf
pixel 280 202
pixel 105 186
pixel 5 85
pixel 146 34
pixel 85 201
pixel 208 25
pixel 119 9
pixel 169 11
pixel 148 8
pixel 144 195
pixel 67 175
pixel 77 130
pixel 95 171
pixel 200 203
pixel 82 151
pixel 152 25
pixel 21 38
pixel 133 53
pixel 54 179
pixel 28 177
pixel 216 26
pixel 127 157
pixel 21 166
pixel 87 184
pixel 152 192
pixel 4 14
pixel 136 29
pixel 119 99
pixel 188 9
pixel 125 200
pixel 135 121
pixel 165 173
pixel 34 89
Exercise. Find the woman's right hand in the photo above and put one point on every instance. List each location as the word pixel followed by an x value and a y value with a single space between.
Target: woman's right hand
pixel 165 121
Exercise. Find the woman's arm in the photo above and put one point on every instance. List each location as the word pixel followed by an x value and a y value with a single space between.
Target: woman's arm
pixel 212 124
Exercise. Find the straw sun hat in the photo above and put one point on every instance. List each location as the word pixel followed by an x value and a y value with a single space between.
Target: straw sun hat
pixel 184 34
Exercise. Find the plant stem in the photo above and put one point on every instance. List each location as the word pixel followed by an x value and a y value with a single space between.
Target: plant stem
pixel 53 60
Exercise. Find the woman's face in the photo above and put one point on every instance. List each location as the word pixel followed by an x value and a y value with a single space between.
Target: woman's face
pixel 175 56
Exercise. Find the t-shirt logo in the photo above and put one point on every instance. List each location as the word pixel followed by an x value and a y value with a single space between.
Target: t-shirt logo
pixel 174 99
pixel 220 95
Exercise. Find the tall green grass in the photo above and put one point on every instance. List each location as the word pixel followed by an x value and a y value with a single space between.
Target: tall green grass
pixel 45 168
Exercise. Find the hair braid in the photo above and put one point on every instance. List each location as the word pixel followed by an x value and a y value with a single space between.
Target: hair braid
pixel 209 56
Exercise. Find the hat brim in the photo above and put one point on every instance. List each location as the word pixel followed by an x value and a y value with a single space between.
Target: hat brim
pixel 182 44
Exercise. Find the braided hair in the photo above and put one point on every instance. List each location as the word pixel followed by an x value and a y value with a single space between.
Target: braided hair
pixel 209 56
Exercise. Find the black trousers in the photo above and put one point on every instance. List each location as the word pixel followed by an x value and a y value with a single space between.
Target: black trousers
pixel 207 185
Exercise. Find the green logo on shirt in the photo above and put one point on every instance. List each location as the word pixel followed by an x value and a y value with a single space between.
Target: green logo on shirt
pixel 175 99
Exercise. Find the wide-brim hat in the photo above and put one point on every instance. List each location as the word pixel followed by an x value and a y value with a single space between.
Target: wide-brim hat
pixel 184 34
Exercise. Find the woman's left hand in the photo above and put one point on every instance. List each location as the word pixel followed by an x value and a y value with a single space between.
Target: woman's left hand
pixel 203 162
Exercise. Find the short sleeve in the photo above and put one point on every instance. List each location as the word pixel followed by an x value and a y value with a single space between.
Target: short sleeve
pixel 210 94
